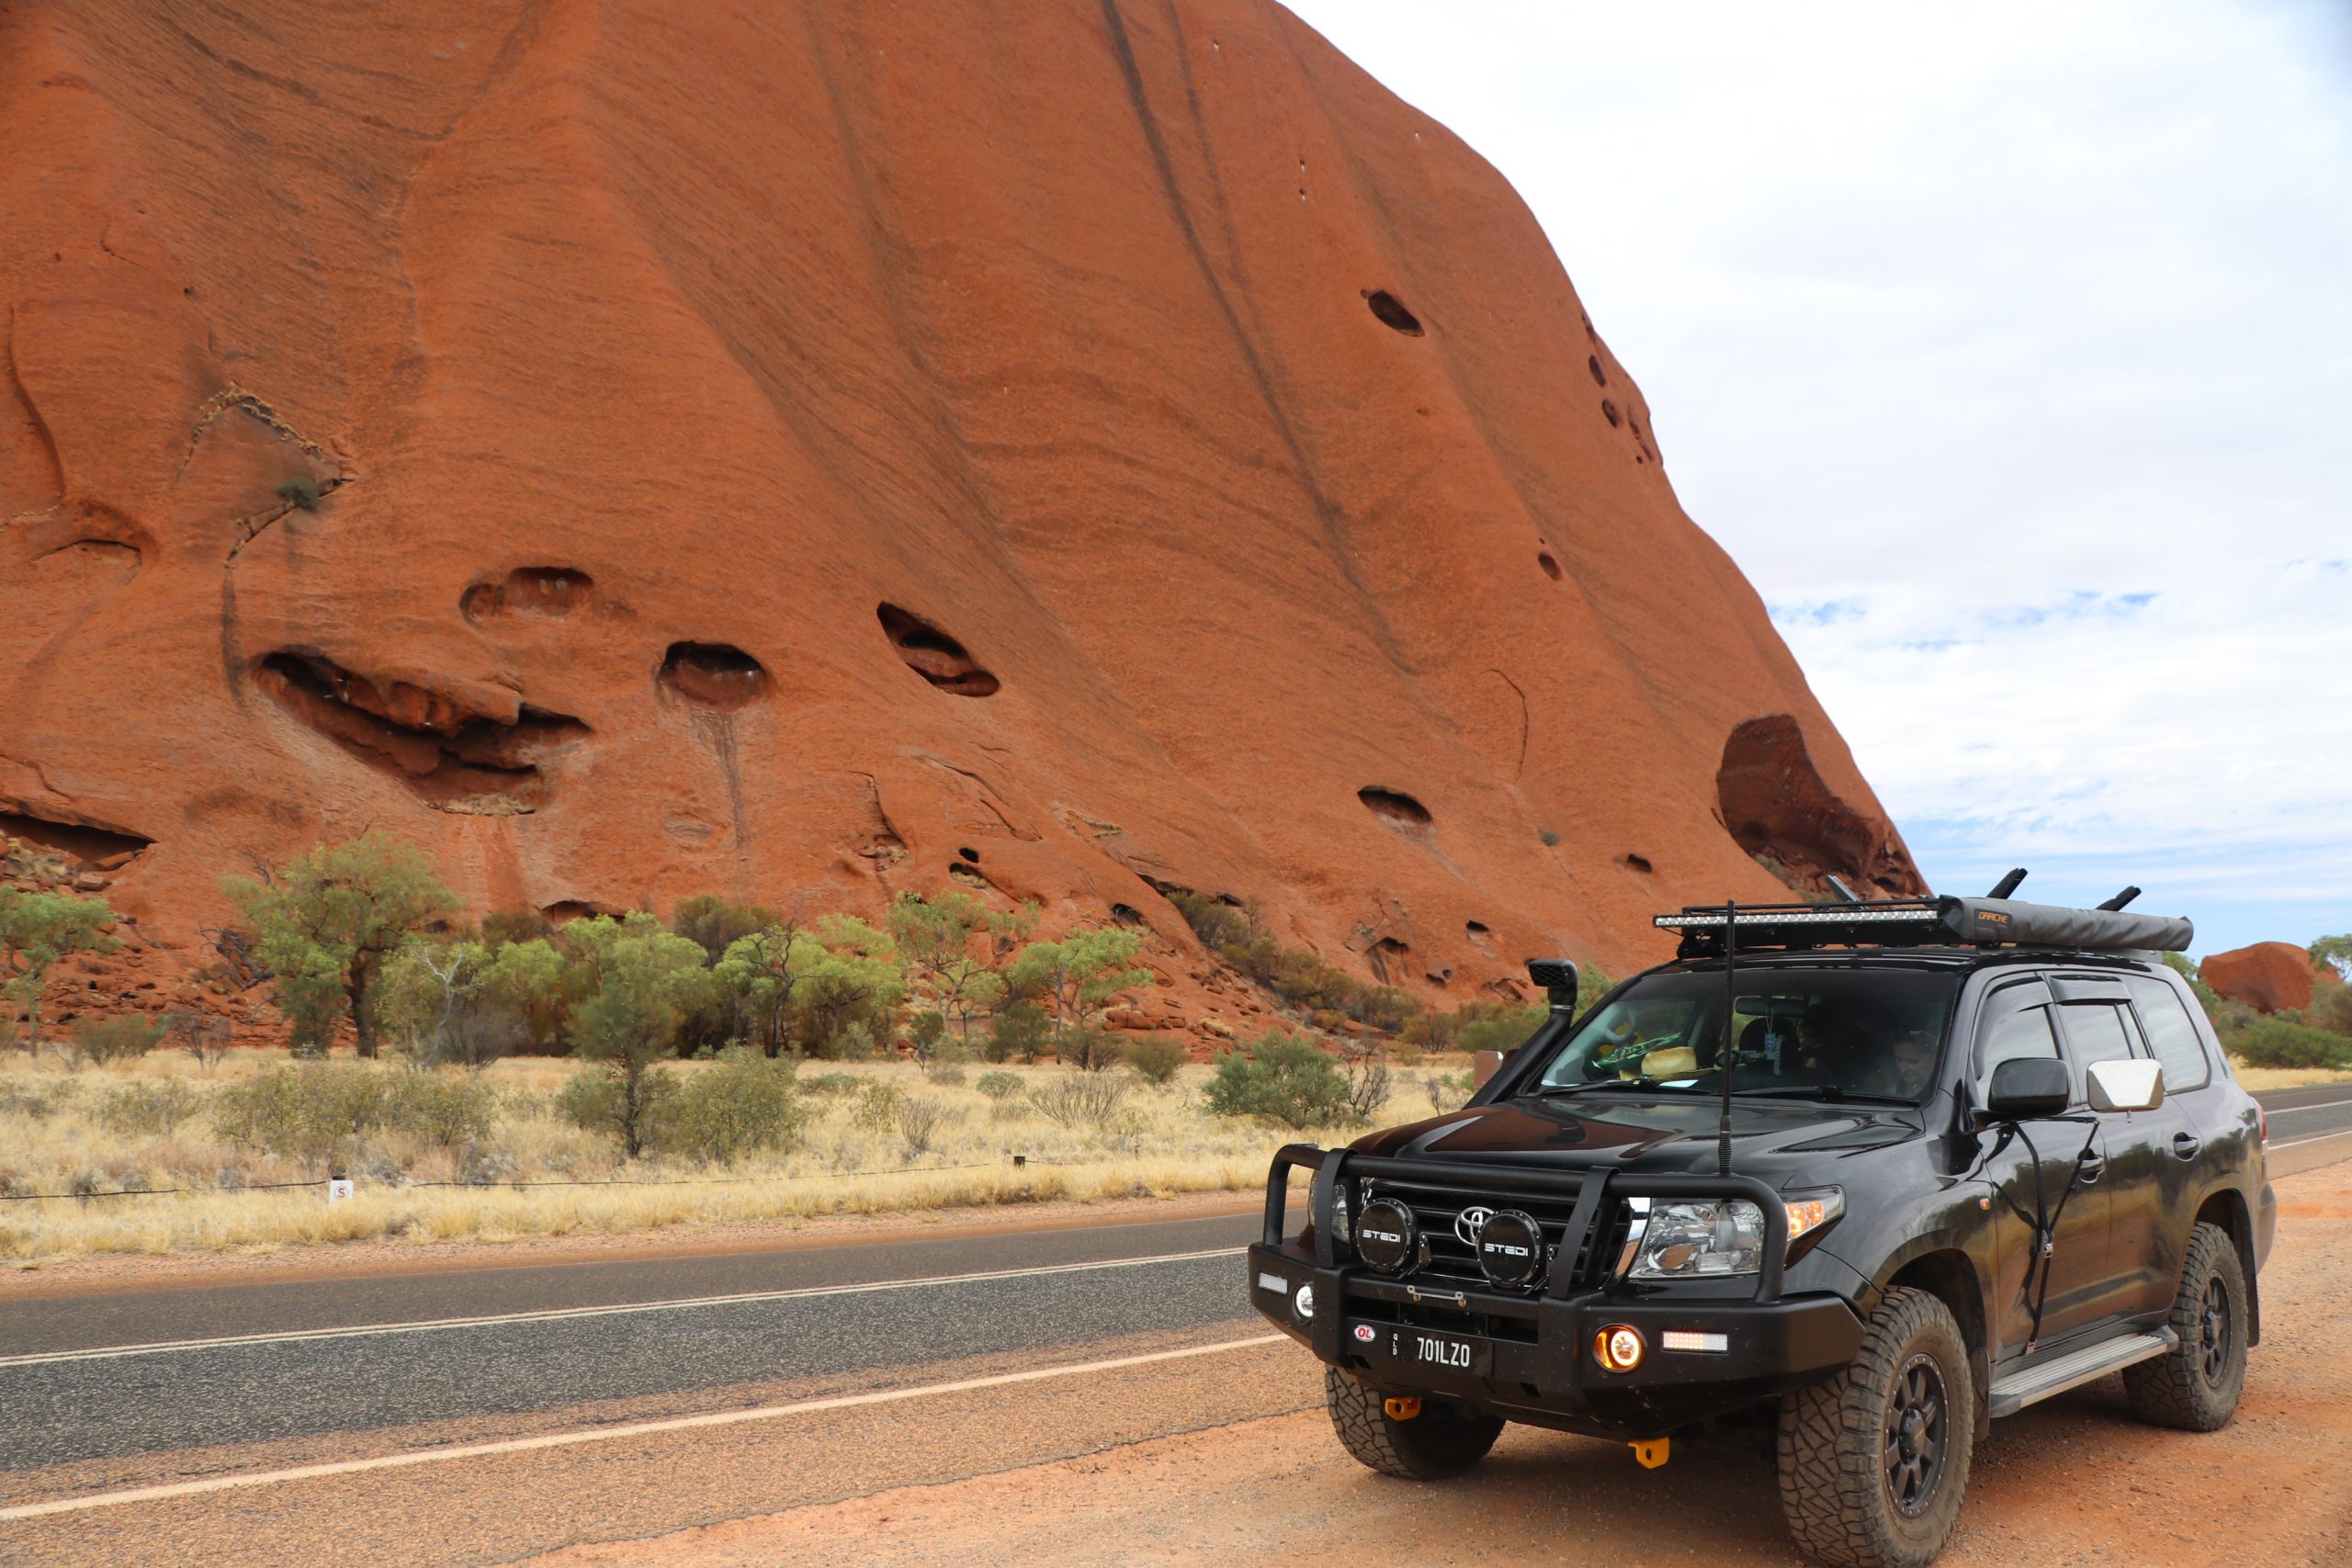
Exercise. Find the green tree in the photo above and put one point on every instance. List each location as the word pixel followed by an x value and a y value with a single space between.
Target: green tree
pixel 763 968
pixel 1081 973
pixel 637 979
pixel 335 916
pixel 459 1000
pixel 36 931
pixel 850 992
pixel 2335 951
pixel 934 938
pixel 714 924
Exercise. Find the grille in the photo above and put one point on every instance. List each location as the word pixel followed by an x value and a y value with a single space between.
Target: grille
pixel 1452 1262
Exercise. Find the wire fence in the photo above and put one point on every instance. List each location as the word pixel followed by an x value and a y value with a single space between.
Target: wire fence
pixel 1015 1162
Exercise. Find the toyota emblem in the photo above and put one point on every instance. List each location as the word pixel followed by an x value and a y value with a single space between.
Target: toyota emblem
pixel 1469 1223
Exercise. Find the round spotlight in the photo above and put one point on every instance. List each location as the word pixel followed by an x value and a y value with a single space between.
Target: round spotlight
pixel 1386 1235
pixel 1618 1347
pixel 1303 1302
pixel 1510 1249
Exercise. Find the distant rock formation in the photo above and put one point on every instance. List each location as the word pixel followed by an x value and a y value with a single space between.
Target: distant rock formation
pixel 2269 977
pixel 1072 450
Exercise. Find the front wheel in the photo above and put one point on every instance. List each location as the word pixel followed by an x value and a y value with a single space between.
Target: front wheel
pixel 1874 1462
pixel 2195 1385
pixel 1443 1440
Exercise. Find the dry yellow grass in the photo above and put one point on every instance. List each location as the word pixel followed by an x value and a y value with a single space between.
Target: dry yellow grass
pixel 2258 1080
pixel 1160 1142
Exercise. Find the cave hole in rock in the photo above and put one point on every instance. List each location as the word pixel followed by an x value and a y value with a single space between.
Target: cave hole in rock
pixel 1477 927
pixel 1638 862
pixel 1127 915
pixel 1780 811
pixel 551 592
pixel 933 655
pixel 455 759
pixel 1389 958
pixel 1600 377
pixel 1551 567
pixel 970 854
pixel 1392 312
pixel 713 675
pixel 85 847
pixel 968 875
pixel 1609 410
pixel 1399 810
pixel 563 912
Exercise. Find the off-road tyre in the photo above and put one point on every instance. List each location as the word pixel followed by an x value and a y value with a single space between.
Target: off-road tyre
pixel 1837 1440
pixel 2195 1385
pixel 1443 1440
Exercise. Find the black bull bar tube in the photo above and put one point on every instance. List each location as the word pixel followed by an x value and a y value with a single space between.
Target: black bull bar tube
pixel 1588 1187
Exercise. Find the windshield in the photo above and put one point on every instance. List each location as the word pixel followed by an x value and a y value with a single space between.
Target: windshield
pixel 1835 1033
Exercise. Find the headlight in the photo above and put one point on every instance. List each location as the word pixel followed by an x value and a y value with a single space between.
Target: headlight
pixel 1695 1240
pixel 1340 1230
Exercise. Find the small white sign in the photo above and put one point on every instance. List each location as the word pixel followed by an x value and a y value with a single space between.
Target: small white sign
pixel 338 1189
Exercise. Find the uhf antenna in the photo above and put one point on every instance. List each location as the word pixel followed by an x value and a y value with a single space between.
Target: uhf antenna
pixel 2008 885
pixel 1731 1003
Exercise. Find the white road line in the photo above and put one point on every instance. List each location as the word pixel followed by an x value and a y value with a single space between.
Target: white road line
pixel 561 1315
pixel 611 1434
pixel 2315 1105
pixel 2315 1138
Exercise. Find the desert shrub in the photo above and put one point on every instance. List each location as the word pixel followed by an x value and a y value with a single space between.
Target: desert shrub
pixel 945 1073
pixel 136 1108
pixel 2278 1043
pixel 877 1106
pixel 37 1102
pixel 742 1102
pixel 117 1038
pixel 1495 1027
pixel 1156 1057
pixel 918 1123
pixel 1283 1077
pixel 1368 1082
pixel 302 492
pixel 444 1108
pixel 831 1083
pixel 1384 1007
pixel 1019 1034
pixel 1093 1050
pixel 925 1030
pixel 2331 1009
pixel 200 1034
pixel 1447 1091
pixel 1549 836
pixel 851 1042
pixel 313 1112
pixel 598 1101
pixel 999 1085
pixel 1078 1100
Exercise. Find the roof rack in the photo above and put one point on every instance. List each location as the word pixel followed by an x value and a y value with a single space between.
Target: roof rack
pixel 1926 923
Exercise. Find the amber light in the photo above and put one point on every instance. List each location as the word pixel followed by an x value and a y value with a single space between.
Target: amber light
pixel 1618 1347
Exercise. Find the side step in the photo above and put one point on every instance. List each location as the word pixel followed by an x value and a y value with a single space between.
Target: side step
pixel 2035 1384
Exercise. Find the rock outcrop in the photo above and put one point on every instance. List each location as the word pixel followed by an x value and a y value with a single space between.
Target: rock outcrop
pixel 1074 450
pixel 2269 977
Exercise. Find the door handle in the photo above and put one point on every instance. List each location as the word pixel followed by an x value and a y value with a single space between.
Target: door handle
pixel 2186 1145
pixel 2090 1169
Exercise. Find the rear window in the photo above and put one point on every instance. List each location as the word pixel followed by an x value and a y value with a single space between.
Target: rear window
pixel 2172 1035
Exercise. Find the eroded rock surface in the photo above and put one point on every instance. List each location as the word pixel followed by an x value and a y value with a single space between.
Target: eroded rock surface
pixel 1069 450
pixel 2268 977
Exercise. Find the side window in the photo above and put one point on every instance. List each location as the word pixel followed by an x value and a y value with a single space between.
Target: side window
pixel 2172 1035
pixel 2017 1024
pixel 2095 1032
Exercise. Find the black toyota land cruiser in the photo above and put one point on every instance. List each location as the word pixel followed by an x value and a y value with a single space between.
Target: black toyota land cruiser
pixel 1865 1175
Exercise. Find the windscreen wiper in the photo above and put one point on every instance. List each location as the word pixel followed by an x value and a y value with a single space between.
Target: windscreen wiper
pixel 1798 1090
pixel 1605 1083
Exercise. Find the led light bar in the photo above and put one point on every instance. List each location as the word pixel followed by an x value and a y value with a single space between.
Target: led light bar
pixel 1827 915
pixel 1690 1340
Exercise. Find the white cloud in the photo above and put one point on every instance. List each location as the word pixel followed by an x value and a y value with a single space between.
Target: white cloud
pixel 2007 349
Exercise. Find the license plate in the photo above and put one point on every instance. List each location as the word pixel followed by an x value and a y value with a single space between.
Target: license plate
pixel 1424 1350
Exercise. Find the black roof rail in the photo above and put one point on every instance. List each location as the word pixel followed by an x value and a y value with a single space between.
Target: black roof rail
pixel 1927 922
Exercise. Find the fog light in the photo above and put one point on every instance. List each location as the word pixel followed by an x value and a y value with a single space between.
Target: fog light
pixel 1690 1340
pixel 1303 1302
pixel 1618 1347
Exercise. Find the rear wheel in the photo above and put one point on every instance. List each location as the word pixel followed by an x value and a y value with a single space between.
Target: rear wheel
pixel 1444 1439
pixel 1874 1462
pixel 2195 1385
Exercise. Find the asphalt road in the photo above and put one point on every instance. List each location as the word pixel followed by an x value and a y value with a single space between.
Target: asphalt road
pixel 373 1361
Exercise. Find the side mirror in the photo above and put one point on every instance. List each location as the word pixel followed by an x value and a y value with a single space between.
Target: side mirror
pixel 2132 1085
pixel 2026 1087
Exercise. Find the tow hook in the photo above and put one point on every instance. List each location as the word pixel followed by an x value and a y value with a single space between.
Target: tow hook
pixel 1654 1452
pixel 1403 1409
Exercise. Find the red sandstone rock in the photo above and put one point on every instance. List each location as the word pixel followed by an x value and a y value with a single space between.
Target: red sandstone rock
pixel 2269 977
pixel 1072 450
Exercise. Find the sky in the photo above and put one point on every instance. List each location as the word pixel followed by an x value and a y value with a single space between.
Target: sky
pixel 2007 348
